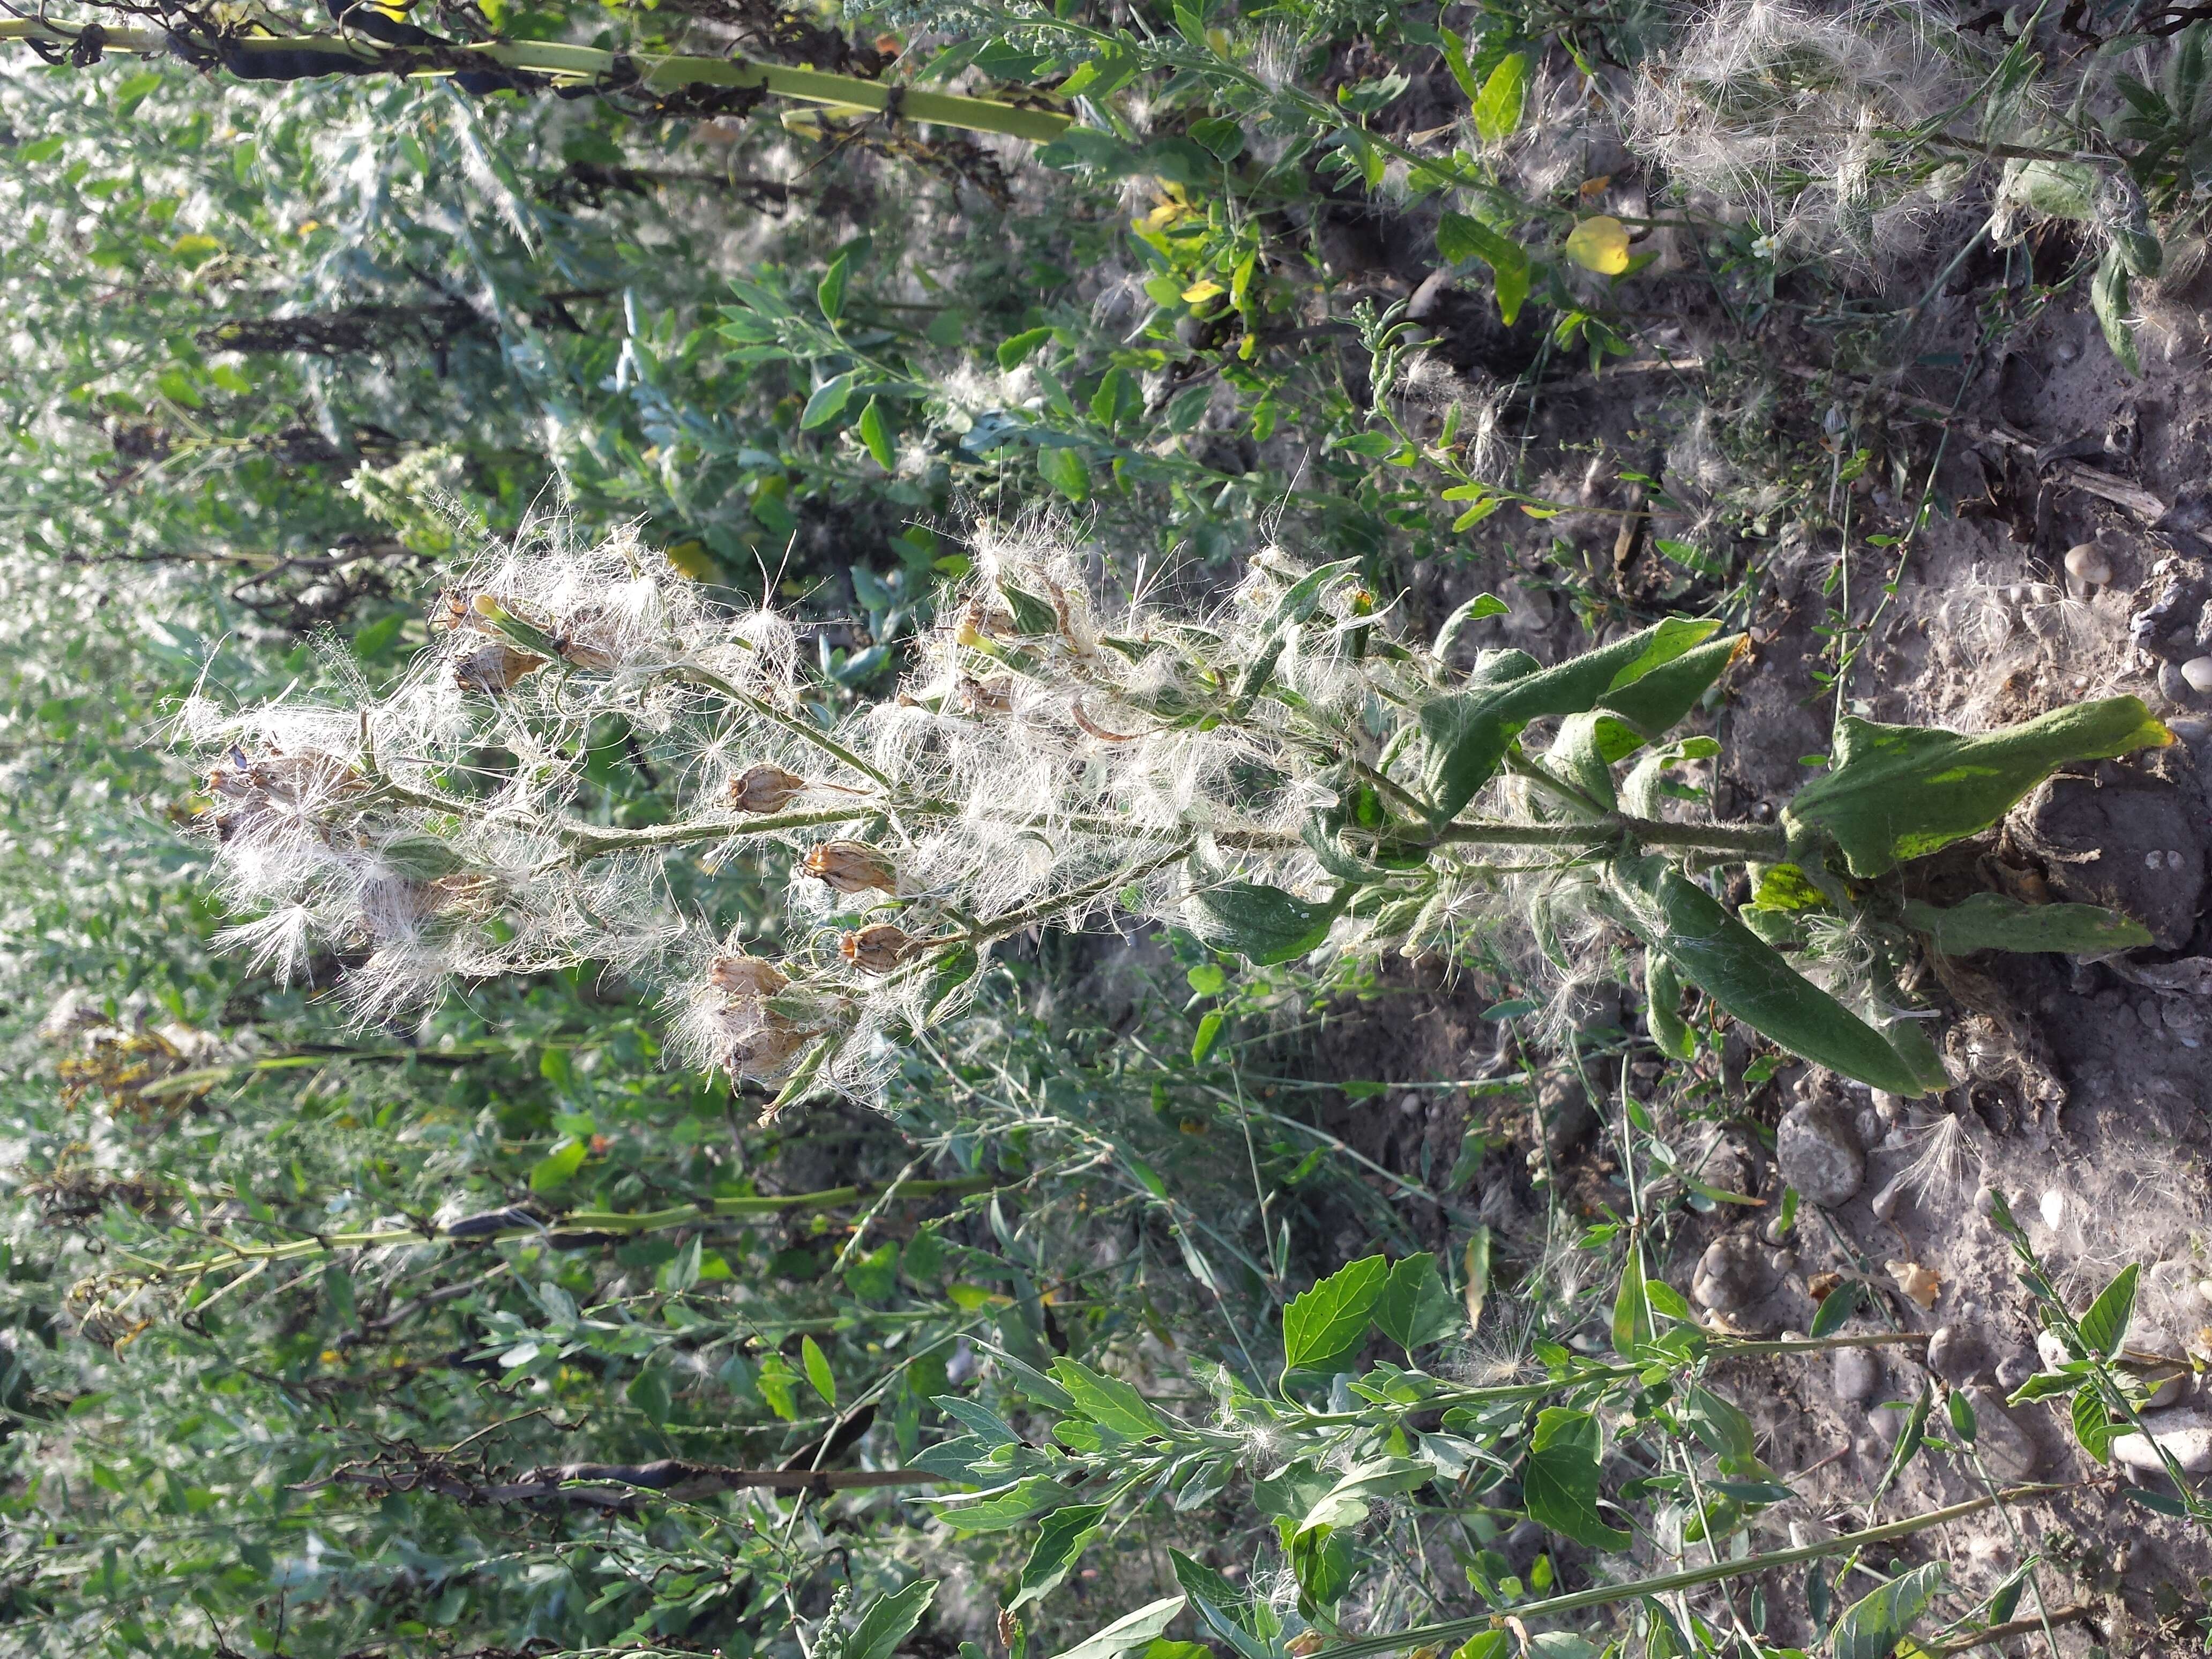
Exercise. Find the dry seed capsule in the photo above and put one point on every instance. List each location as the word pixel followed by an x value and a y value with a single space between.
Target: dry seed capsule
pixel 764 788
pixel 851 866
pixel 879 948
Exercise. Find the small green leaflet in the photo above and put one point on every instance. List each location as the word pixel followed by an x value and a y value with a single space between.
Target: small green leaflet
pixel 1201 1043
pixel 1345 1504
pixel 2105 1326
pixel 1873 1625
pixel 830 292
pixel 1330 1319
pixel 1131 1631
pixel 875 432
pixel 1993 921
pixel 828 399
pixel 1909 1440
pixel 1632 1305
pixel 1559 1482
pixel 1066 471
pixel 2092 1426
pixel 888 1620
pixel 1964 1423
pixel 1836 1307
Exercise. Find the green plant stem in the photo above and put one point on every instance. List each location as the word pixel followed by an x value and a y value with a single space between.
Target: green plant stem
pixel 1451 1632
pixel 589 64
pixel 574 1222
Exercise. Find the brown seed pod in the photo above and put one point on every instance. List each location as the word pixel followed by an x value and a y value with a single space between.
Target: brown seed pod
pixel 746 978
pixel 494 666
pixel 764 788
pixel 851 867
pixel 878 948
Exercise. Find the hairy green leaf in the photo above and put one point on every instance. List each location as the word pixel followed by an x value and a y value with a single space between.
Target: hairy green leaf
pixel 1265 924
pixel 1747 977
pixel 1994 921
pixel 1901 792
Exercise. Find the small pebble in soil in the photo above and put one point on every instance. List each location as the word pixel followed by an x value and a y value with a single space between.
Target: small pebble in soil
pixel 1871 1127
pixel 1858 1375
pixel 2185 1434
pixel 1957 1354
pixel 2198 671
pixel 2053 1206
pixel 1563 1109
pixel 1817 1146
pixel 1985 1201
pixel 2088 564
pixel 1733 1272
pixel 2006 1450
pixel 2013 1369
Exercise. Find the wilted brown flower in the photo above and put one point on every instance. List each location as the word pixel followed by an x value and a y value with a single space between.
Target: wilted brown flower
pixel 879 948
pixel 851 867
pixel 750 1038
pixel 252 792
pixel 764 788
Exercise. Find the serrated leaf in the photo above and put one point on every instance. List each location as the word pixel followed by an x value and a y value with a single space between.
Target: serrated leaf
pixel 1106 1401
pixel 1331 1318
pixel 2105 1326
pixel 1873 1625
pixel 1748 978
pixel 1559 1479
pixel 1061 1541
pixel 1415 1309
pixel 1902 791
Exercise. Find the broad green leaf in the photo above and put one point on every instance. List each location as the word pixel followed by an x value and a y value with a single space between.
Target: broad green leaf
pixel 1499 106
pixel 1323 1563
pixel 1873 1625
pixel 1632 1304
pixel 1459 238
pixel 828 399
pixel 1469 731
pixel 1902 791
pixel 1559 1482
pixel 2093 1424
pixel 648 1391
pixel 1964 1424
pixel 2108 301
pixel 1836 1308
pixel 556 1167
pixel 1415 1309
pixel 2105 1326
pixel 1993 921
pixel 1059 1544
pixel 1599 244
pixel 888 1620
pixel 1664 1010
pixel 1016 350
pixel 1131 1631
pixel 830 292
pixel 1331 1318
pixel 1345 1504
pixel 1063 468
pixel 1002 1508
pixel 875 432
pixel 816 1363
pixel 1106 1401
pixel 1748 978
pixel 1265 924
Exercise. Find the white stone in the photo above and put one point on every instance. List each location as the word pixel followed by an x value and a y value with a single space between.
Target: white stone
pixel 2186 1435
pixel 2087 563
pixel 2198 671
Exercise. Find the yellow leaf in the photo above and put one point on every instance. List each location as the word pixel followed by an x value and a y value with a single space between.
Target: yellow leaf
pixel 1591 188
pixel 691 559
pixel 193 245
pixel 1202 290
pixel 1599 244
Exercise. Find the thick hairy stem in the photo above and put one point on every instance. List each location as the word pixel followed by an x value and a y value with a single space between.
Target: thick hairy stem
pixel 621 1485
pixel 586 65
pixel 1451 1632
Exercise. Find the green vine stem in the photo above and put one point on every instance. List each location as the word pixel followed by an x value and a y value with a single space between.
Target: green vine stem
pixel 583 65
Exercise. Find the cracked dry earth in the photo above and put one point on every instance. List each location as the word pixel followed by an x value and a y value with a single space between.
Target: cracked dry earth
pixel 2069 559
